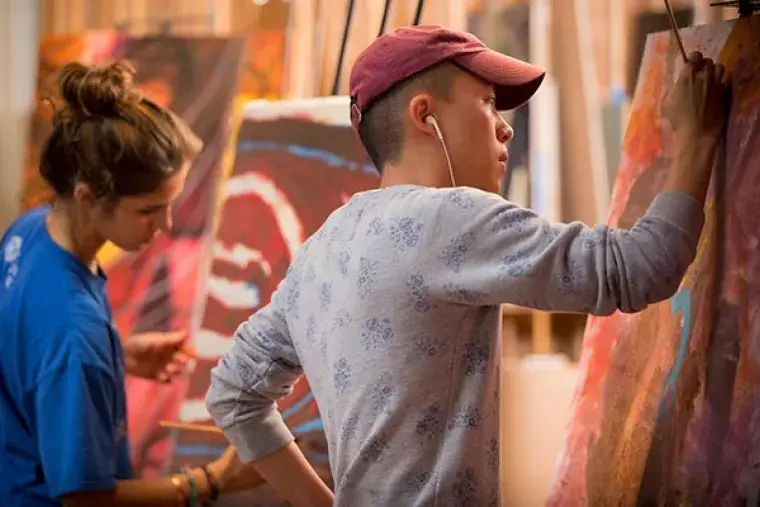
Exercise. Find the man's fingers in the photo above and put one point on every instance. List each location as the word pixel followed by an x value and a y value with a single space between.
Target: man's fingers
pixel 696 61
pixel 709 69
pixel 720 73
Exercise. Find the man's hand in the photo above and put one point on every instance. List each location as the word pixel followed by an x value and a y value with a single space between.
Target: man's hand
pixel 697 110
pixel 697 103
pixel 157 356
pixel 232 475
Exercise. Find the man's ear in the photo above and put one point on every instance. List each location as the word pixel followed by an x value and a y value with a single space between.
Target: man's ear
pixel 420 107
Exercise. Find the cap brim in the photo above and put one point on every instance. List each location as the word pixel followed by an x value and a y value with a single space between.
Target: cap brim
pixel 514 81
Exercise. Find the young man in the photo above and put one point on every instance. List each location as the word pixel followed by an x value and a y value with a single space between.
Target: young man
pixel 392 308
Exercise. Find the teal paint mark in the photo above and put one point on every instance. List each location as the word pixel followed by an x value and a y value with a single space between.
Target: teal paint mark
pixel 331 159
pixel 680 303
pixel 206 451
pixel 298 406
pixel 315 424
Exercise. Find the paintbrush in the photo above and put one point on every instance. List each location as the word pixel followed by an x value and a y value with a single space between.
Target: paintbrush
pixel 674 26
pixel 203 428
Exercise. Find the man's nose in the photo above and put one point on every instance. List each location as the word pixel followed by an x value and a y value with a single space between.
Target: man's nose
pixel 504 131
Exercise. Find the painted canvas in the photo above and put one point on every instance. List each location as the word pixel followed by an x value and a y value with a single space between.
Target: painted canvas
pixel 296 162
pixel 156 289
pixel 668 406
pixel 263 70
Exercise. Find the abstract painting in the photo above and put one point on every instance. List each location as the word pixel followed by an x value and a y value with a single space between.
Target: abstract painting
pixel 263 70
pixel 156 289
pixel 667 410
pixel 296 162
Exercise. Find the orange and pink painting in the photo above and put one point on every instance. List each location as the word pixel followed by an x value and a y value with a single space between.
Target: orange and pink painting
pixel 667 409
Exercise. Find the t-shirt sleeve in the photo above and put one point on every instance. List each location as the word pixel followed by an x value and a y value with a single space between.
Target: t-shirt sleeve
pixel 76 435
pixel 489 251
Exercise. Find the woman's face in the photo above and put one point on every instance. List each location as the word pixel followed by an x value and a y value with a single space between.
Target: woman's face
pixel 134 221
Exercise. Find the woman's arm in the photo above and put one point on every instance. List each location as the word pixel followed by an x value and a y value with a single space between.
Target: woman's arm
pixel 170 491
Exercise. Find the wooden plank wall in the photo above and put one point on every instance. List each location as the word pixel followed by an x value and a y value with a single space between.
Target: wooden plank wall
pixel 315 28
pixel 18 66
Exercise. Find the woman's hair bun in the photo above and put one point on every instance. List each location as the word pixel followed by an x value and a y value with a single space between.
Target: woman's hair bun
pixel 98 91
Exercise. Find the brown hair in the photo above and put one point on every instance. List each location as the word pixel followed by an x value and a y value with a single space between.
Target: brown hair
pixel 109 137
pixel 382 127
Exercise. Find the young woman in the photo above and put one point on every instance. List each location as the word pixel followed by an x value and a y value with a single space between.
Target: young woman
pixel 115 161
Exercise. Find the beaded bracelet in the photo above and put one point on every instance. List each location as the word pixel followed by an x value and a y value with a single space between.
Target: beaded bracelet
pixel 192 499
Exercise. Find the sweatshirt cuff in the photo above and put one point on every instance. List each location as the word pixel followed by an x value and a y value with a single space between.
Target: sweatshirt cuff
pixel 256 438
pixel 680 210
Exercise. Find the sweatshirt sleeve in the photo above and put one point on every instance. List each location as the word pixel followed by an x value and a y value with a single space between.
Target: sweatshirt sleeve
pixel 261 367
pixel 489 251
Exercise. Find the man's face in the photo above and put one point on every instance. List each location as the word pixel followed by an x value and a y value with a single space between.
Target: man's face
pixel 475 134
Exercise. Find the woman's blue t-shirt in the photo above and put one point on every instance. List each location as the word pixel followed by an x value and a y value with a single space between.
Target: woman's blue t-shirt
pixel 63 419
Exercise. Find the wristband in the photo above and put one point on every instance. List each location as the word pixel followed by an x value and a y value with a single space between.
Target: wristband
pixel 213 488
pixel 192 499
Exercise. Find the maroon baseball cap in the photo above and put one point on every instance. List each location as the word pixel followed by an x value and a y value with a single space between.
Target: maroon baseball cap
pixel 398 55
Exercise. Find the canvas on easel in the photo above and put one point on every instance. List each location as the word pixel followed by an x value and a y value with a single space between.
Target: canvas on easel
pixel 666 411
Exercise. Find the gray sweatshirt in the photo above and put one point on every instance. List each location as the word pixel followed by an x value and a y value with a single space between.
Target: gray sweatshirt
pixel 391 310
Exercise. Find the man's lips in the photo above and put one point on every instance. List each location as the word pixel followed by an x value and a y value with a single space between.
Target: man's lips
pixel 503 160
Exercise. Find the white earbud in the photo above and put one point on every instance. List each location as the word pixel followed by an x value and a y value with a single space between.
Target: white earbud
pixel 430 120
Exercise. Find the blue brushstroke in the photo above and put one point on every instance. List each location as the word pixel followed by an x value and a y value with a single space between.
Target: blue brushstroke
pixel 681 302
pixel 329 158
pixel 298 406
pixel 313 425
pixel 210 451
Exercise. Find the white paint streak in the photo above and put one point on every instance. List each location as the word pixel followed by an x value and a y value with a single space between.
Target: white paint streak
pixel 233 295
pixel 193 411
pixel 241 256
pixel 211 345
pixel 285 215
